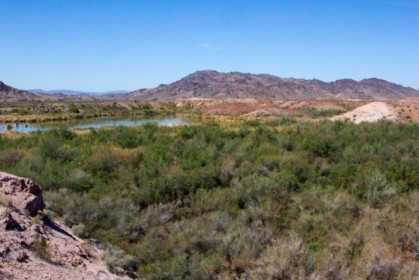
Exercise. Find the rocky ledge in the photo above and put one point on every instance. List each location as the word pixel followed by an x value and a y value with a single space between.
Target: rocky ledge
pixel 32 246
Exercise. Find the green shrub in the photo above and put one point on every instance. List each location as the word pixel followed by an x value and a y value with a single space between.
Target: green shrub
pixel 41 249
pixel 51 147
pixel 73 109
pixel 127 137
pixel 104 162
pixel 9 158
pixel 116 259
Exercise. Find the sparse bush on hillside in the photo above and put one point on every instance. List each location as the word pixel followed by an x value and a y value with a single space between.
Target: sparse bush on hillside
pixel 118 261
pixel 41 249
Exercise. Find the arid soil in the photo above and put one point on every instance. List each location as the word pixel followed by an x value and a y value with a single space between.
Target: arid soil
pixel 405 110
pixel 232 106
pixel 370 112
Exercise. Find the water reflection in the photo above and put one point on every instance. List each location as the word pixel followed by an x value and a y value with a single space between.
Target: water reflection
pixel 86 124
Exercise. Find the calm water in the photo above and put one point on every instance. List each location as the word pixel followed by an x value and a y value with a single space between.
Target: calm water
pixel 88 123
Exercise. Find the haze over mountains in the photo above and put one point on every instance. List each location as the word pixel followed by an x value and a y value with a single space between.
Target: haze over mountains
pixel 11 94
pixel 213 84
pixel 75 92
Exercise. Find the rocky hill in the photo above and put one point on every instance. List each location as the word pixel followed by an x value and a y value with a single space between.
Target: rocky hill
pixel 11 94
pixel 212 84
pixel 33 246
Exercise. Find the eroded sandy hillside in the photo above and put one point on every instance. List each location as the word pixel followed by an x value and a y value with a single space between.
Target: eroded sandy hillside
pixel 405 110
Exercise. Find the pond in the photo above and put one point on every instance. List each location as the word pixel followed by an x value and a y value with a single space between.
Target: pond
pixel 87 123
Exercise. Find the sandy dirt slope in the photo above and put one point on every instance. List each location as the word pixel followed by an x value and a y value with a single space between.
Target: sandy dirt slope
pixel 407 109
pixel 404 110
pixel 370 112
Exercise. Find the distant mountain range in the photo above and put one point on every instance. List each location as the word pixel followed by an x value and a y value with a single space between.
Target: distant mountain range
pixel 11 94
pixel 213 84
pixel 75 92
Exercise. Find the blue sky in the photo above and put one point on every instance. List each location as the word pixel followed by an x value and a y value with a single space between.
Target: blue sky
pixel 99 45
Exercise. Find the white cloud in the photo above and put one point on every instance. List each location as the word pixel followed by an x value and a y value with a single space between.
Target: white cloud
pixel 210 47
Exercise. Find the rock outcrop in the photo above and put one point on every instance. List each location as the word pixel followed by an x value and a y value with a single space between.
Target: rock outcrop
pixel 22 193
pixel 32 246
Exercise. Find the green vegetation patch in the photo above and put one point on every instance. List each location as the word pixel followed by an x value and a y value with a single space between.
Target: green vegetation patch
pixel 263 200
